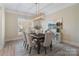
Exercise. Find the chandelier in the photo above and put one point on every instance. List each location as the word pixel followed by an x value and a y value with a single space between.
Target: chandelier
pixel 38 14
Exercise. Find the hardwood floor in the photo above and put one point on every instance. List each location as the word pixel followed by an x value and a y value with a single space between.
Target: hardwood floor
pixel 9 49
pixel 15 48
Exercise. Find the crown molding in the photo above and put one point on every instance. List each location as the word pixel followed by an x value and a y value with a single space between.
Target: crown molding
pixel 51 11
pixel 61 8
pixel 18 13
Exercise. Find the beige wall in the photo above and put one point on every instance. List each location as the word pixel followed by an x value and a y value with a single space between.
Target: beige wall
pixel 70 23
pixel 2 27
pixel 10 26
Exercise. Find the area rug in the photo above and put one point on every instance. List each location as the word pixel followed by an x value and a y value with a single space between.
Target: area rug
pixel 58 49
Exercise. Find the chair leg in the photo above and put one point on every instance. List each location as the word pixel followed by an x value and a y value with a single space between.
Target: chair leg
pixel 24 44
pixel 30 50
pixel 27 46
pixel 50 47
pixel 45 50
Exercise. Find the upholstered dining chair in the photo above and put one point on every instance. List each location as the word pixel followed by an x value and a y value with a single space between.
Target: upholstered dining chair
pixel 48 40
pixel 30 43
pixel 25 31
pixel 24 39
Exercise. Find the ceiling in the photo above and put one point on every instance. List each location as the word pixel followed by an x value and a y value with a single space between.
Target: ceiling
pixel 46 8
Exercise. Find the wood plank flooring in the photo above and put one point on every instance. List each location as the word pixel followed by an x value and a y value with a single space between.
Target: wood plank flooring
pixel 15 48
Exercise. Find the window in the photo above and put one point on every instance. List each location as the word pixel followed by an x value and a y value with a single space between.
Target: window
pixel 21 22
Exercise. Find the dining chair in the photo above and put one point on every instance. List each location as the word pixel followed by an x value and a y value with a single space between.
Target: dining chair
pixel 25 31
pixel 24 39
pixel 30 43
pixel 48 40
pixel 24 36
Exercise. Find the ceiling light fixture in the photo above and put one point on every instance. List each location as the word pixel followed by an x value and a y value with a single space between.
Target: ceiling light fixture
pixel 38 15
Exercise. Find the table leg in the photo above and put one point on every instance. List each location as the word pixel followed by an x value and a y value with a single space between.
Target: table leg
pixel 38 48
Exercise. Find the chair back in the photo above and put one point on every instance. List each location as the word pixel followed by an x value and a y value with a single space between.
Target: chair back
pixel 48 38
pixel 29 40
pixel 24 35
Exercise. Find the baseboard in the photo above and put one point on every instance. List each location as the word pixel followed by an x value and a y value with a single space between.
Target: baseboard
pixel 72 43
pixel 14 38
pixel 1 47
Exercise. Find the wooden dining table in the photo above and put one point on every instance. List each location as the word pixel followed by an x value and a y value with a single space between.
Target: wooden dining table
pixel 39 39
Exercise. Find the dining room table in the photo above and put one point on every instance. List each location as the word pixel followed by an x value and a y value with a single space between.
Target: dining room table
pixel 39 38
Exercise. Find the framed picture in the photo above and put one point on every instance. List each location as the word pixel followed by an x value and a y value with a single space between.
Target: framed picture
pixel 51 26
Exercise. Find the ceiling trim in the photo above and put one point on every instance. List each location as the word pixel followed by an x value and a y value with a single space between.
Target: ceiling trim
pixel 17 12
pixel 26 13
pixel 61 8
